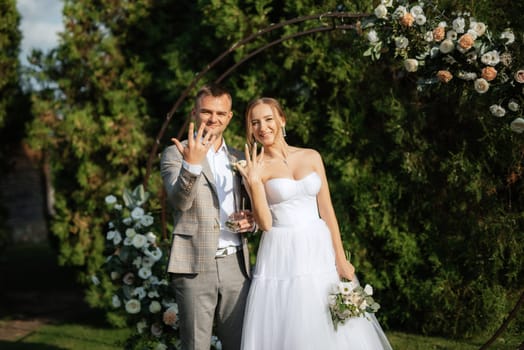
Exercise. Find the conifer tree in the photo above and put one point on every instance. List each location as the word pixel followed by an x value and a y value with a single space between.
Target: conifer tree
pixel 12 114
pixel 10 38
pixel 90 117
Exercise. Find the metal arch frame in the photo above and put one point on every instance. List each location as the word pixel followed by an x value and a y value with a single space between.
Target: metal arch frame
pixel 324 28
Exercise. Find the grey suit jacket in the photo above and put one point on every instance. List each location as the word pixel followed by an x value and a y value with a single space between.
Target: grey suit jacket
pixel 196 213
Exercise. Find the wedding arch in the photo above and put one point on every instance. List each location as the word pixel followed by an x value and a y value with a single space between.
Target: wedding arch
pixel 329 21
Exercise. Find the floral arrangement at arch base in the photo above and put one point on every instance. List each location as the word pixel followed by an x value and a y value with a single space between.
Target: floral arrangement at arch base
pixel 136 264
pixel 451 50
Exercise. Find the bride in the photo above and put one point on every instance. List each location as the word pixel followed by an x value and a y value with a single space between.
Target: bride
pixel 300 256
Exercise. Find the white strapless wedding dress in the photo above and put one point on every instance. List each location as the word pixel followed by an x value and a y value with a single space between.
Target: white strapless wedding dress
pixel 287 307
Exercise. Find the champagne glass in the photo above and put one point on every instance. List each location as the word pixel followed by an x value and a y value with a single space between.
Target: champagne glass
pixel 233 222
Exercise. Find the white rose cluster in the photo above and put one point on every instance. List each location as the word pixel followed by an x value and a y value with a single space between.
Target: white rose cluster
pixel 439 51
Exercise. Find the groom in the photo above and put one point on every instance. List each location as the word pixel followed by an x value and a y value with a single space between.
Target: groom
pixel 209 264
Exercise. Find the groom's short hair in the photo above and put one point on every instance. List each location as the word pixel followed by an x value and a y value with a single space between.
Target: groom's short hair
pixel 212 89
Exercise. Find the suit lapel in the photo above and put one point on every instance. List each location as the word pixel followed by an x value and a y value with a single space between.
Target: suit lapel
pixel 208 174
pixel 237 181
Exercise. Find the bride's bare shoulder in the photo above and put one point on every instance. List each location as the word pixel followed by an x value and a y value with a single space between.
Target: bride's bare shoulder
pixel 304 152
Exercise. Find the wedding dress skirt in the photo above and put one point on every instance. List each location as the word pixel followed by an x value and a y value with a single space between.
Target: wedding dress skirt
pixel 287 307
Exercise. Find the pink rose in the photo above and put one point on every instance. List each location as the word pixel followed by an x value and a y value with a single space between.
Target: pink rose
pixel 519 76
pixel 170 316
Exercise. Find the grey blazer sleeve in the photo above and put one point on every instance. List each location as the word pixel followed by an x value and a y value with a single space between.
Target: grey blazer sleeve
pixel 181 185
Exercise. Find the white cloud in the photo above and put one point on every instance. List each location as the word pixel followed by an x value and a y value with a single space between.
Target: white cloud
pixel 41 20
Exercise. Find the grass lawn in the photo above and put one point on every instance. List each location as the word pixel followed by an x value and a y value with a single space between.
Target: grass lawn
pixel 33 287
pixel 85 337
pixel 69 336
pixel 404 341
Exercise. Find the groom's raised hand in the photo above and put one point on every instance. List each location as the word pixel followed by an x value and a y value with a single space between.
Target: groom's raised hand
pixel 197 144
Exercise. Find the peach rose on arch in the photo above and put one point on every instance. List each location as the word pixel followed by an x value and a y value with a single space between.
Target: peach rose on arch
pixel 407 20
pixel 489 73
pixel 466 41
pixel 444 76
pixel 439 33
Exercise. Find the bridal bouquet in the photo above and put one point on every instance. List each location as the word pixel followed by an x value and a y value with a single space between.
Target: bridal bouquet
pixel 348 299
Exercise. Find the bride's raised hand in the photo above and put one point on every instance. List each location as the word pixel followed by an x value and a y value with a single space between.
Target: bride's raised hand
pixel 252 171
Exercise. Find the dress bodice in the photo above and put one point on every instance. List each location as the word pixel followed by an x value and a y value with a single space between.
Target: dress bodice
pixel 293 201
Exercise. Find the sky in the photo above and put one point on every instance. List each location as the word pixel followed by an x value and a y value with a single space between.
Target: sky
pixel 40 22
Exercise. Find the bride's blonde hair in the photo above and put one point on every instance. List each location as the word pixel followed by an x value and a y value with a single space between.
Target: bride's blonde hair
pixel 275 107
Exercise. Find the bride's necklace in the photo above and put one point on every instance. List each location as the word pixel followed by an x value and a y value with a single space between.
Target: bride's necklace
pixel 282 158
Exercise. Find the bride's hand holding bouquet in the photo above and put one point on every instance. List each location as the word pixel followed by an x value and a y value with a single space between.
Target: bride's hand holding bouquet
pixel 345 269
pixel 347 298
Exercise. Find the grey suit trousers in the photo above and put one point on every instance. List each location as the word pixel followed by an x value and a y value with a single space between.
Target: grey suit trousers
pixel 218 295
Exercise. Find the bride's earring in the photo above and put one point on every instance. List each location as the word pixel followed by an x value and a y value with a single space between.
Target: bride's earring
pixel 284 131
